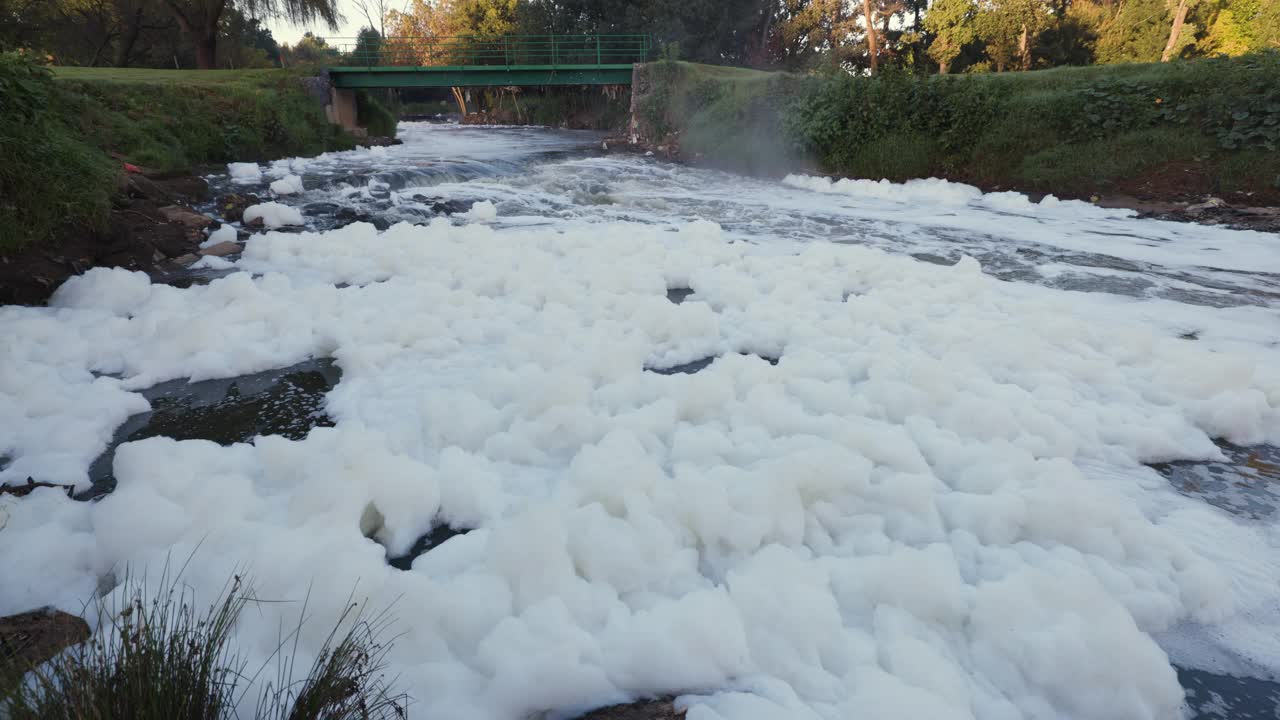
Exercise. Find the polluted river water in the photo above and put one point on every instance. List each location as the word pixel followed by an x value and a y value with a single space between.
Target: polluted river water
pixel 599 427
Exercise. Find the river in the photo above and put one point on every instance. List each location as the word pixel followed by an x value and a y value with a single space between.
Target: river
pixel 598 427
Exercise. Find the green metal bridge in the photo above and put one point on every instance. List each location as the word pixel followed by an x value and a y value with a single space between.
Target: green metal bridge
pixel 489 61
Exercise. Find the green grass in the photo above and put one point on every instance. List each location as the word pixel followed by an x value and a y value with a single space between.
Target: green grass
pixel 63 146
pixel 144 76
pixel 161 119
pixel 374 115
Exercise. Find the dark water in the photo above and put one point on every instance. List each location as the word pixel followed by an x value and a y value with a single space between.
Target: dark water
pixel 424 544
pixel 287 401
pixel 696 366
pixel 1247 484
pixel 1223 697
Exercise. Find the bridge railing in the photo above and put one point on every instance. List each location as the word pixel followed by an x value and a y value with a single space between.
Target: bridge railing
pixel 501 50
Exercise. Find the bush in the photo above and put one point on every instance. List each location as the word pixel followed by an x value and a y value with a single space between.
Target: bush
pixel 60 130
pixel 1072 130
pixel 49 175
pixel 373 116
pixel 176 120
pixel 159 658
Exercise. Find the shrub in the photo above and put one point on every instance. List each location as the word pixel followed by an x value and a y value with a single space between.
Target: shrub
pixel 49 175
pixel 1053 130
pixel 160 658
pixel 374 116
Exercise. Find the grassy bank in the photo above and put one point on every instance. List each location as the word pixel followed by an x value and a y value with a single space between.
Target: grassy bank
pixel 64 133
pixel 1175 128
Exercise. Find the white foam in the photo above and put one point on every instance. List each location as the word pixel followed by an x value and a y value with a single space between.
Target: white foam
pixel 288 185
pixel 274 215
pixel 244 172
pixel 899 515
pixel 224 233
pixel 483 211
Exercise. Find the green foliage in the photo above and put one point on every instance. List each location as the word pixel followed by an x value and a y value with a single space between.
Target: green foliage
pixel 838 116
pixel 159 656
pixel 1068 130
pixel 174 120
pixel 374 116
pixel 49 176
pixel 57 134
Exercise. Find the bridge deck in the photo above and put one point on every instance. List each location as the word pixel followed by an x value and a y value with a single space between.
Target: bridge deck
pixel 396 76
pixel 488 61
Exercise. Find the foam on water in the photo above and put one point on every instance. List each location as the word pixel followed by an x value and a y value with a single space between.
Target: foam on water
pixel 900 490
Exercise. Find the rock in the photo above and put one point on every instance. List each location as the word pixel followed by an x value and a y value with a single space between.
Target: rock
pixel 32 638
pixel 1209 204
pixel 142 187
pixel 451 207
pixel 186 260
pixel 185 216
pixel 222 249
pixel 187 186
pixel 31 484
pixel 662 709
pixel 232 205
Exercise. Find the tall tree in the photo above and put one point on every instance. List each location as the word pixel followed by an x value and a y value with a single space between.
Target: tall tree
pixel 869 19
pixel 375 14
pixel 1179 18
pixel 817 31
pixel 1009 28
pixel 199 19
pixel 953 24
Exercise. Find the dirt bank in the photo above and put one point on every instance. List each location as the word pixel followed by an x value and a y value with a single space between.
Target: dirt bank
pixel 151 224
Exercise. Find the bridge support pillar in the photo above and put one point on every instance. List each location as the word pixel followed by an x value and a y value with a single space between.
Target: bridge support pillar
pixel 342 109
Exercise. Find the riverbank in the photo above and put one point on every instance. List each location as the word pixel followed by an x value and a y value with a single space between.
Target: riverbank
pixel 97 161
pixel 1172 133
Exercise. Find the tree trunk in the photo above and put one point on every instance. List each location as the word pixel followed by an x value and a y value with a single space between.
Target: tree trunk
pixel 1178 18
pixel 1024 48
pixel 871 36
pixel 130 39
pixel 207 50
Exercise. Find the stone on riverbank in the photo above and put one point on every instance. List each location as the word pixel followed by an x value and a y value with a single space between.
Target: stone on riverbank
pixel 32 638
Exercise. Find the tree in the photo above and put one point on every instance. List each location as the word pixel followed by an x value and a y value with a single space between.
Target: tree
pixel 870 19
pixel 311 51
pixel 1009 28
pixel 447 19
pixel 813 31
pixel 1137 32
pixel 375 14
pixel 1236 27
pixel 199 19
pixel 368 49
pixel 1179 17
pixel 953 23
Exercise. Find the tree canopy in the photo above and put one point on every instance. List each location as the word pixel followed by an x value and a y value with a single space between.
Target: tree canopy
pixel 857 35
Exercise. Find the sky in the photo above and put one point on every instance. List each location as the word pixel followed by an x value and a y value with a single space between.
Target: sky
pixel 285 32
